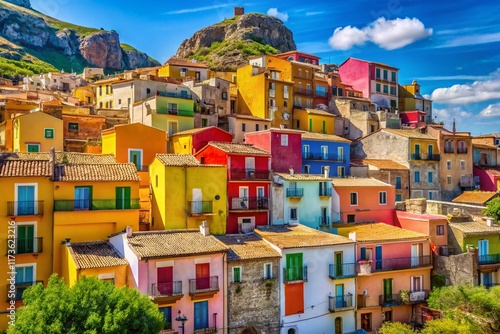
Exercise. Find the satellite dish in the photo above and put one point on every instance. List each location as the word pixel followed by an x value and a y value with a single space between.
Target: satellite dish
pixel 286 116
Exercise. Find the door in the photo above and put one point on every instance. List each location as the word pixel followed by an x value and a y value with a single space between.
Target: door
pixel 339 264
pixel 398 182
pixel 417 151
pixel 243 198
pixel 338 325
pixel 261 204
pixel 324 152
pixel 201 315
pixel 25 200
pixel 135 157
pixel 165 278
pixel 339 296
pixel 324 216
pixel 202 276
pixel 250 166
pixel 83 196
pixel 483 250
pixel 378 257
pixel 307 151
pixel 416 254
pixel 25 239
pixel 430 150
pixel 123 197
pixel 196 204
pixel 387 289
pixel 23 275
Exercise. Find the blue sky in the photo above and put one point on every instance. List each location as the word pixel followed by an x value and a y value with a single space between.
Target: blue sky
pixel 451 48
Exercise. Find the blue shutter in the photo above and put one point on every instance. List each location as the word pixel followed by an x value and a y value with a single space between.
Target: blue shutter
pixel 201 315
pixel 363 253
pixel 378 257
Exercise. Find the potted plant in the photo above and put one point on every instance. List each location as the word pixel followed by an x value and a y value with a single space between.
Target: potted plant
pixel 405 295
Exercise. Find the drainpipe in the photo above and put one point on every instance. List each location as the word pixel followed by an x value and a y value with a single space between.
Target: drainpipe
pixel 186 194
pixel 225 315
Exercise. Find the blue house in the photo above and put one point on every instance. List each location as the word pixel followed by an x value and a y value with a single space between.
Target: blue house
pixel 322 151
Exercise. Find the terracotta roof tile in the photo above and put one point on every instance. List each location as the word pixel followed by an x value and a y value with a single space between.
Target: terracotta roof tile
pixel 384 164
pixel 303 177
pixel 319 112
pixel 62 157
pixel 300 236
pixel 247 247
pixel 238 148
pixel 409 133
pixel 13 168
pixel 250 117
pixel 484 146
pixel 475 197
pixel 366 232
pixel 97 254
pixel 182 160
pixel 324 137
pixel 196 130
pixel 470 228
pixel 358 182
pixel 184 62
pixel 157 244
pixel 96 172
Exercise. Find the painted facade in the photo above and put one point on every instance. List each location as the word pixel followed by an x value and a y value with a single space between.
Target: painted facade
pixel 192 141
pixel 81 131
pixel 213 98
pixel 238 125
pixel 37 132
pixel 314 120
pixel 185 193
pixel 489 178
pixel 410 98
pixel 321 152
pixel 184 69
pixel 85 95
pixel 248 184
pixel 412 118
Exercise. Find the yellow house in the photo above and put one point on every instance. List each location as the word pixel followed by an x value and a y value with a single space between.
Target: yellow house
pixel 185 193
pixel 93 198
pixel 104 92
pixel 314 120
pixel 179 68
pixel 37 132
pixel 26 199
pixel 85 94
pixel 95 258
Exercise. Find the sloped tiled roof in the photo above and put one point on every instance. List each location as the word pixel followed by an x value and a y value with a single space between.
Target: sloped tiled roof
pixel 62 157
pixel 324 137
pixel 471 228
pixel 409 133
pixel 358 182
pixel 476 197
pixel 319 112
pixel 247 247
pixel 157 244
pixel 484 146
pixel 249 117
pixel 238 148
pixel 13 168
pixel 184 62
pixel 300 236
pixel 97 254
pixel 384 164
pixel 96 172
pixel 366 232
pixel 191 131
pixel 304 177
pixel 181 160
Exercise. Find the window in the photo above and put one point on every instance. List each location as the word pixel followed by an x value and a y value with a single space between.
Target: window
pixel 398 182
pixel 417 176
pixel 432 194
pixel 387 316
pixel 224 96
pixel 377 87
pixel 119 102
pixel 386 89
pixel 393 76
pixel 366 322
pixel 399 197
pixel 351 218
pixel 354 198
pixel 172 108
pixel 204 122
pixel 325 169
pixel 294 267
pixel 100 90
pixel 439 229
pixel 341 171
pixel 148 91
pixel 24 274
pixel 27 242
pixel 392 90
pixel 429 177
pixel 307 169
pixel 300 73
pixel 416 283
pixel 49 133
pixel 135 157
pixel 128 101
pixel 294 214
pixel 448 179
pixel 33 147
pixel 382 197
pixel 448 164
pixel 73 127
pixel 265 127
pixel 236 274
pixel 123 198
pixel 385 74
pixel 268 270
pixel 83 198
pixel 284 140
pixel 377 73
pixel 462 164
pixel 256 127
pixel 167 316
pixel 243 127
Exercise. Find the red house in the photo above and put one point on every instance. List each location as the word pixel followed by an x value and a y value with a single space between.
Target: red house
pixel 301 57
pixel 412 118
pixel 193 140
pixel 248 188
pixel 285 146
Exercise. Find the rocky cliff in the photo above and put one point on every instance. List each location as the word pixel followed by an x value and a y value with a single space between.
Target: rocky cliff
pixel 229 43
pixel 64 45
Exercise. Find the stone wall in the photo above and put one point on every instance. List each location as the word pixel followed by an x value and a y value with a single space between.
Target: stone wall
pixel 253 303
pixel 444 208
pixel 458 269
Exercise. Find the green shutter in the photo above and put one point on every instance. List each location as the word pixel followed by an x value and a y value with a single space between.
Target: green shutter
pixel 294 266
pixel 123 197
pixel 387 286
pixel 310 124
pixel 236 274
pixel 324 126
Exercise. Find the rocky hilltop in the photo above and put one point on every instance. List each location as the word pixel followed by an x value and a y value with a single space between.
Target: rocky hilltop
pixel 228 44
pixel 60 44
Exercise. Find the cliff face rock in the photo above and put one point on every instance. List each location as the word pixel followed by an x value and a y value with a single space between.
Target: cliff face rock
pixel 22 3
pixel 24 29
pixel 247 29
pixel 133 58
pixel 102 49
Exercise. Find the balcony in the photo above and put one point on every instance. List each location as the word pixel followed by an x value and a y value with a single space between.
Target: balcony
pixel 323 157
pixel 323 221
pixel 321 93
pixel 344 270
pixel 25 246
pixel 369 267
pixel 325 192
pixel 303 91
pixel 202 288
pixel 390 300
pixel 295 274
pixel 489 259
pixel 168 292
pixel 199 208
pixel 417 297
pixel 249 203
pixel 424 156
pixel 19 289
pixel 449 150
pixel 95 205
pixel 248 174
pixel 295 192
pixel 25 208
pixel 462 150
pixel 340 303
pixel 186 95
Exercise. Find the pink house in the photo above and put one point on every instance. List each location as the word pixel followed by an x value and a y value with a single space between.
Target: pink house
pixel 377 81
pixel 489 177
pixel 412 118
pixel 285 146
pixel 193 140
pixel 181 271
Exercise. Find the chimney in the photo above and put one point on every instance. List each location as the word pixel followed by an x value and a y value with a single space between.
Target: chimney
pixel 52 163
pixel 291 171
pixel 239 11
pixel 489 221
pixel 352 236
pixel 204 230
pixel 454 127
pixel 326 172
pixel 128 230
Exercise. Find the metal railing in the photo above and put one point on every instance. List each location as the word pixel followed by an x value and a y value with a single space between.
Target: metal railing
pixel 489 259
pixel 462 150
pixel 394 264
pixel 303 91
pixel 323 221
pixel 425 156
pixel 323 156
pixel 177 95
pixel 96 204
pixel 417 296
pixel 449 150
pixel 340 303
pixel 248 174
pixel 19 289
pixel 25 208
pixel 249 203
pixel 292 274
pixel 294 192
pixel 199 207
pixel 344 270
pixel 390 300
pixel 325 192
pixel 26 245
pixel 167 289
pixel 202 285
pixel 321 93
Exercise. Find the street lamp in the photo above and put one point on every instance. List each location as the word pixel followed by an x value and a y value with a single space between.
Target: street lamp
pixel 182 320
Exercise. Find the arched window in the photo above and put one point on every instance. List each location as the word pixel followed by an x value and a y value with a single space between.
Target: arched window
pixel 291 331
pixel 290 58
pixel 338 325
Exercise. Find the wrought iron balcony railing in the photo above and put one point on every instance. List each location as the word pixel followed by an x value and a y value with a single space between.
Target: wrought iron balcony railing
pixel 294 192
pixel 199 207
pixel 425 156
pixel 25 245
pixel 327 192
pixel 340 303
pixel 96 204
pixel 390 300
pixel 343 270
pixel 248 174
pixel 489 259
pixel 19 289
pixel 323 156
pixel 249 203
pixel 292 274
pixel 203 285
pixel 367 267
pixel 25 208
pixel 167 289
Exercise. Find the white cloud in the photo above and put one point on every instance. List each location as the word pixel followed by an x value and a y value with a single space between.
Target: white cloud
pixel 277 14
pixel 447 115
pixel 195 9
pixel 313 13
pixel 472 40
pixel 478 91
pixel 387 34
pixel 493 110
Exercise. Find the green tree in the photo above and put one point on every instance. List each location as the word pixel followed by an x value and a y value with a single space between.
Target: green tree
pixel 448 326
pixel 396 328
pixel 90 306
pixel 493 209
